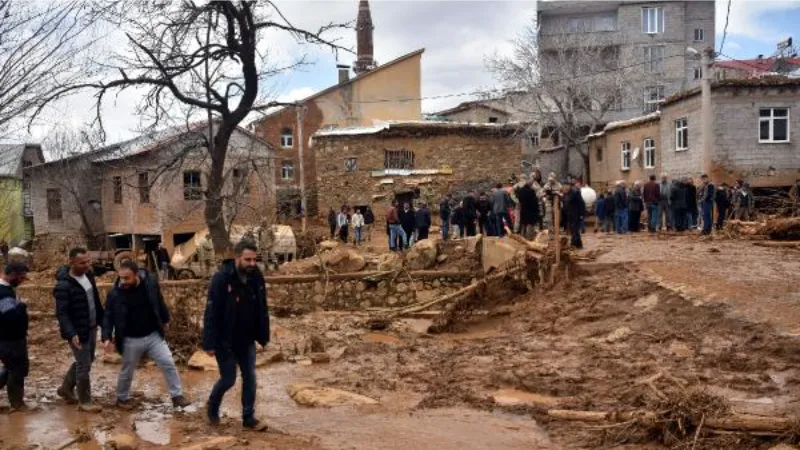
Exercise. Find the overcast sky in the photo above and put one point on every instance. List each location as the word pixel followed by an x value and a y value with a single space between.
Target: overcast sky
pixel 456 35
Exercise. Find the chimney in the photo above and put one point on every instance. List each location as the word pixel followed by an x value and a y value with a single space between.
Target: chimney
pixel 344 73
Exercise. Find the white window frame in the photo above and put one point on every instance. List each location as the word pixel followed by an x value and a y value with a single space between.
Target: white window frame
pixel 649 153
pixel 697 73
pixel 656 25
pixel 682 125
pixel 648 101
pixel 287 139
pixel 287 170
pixel 699 34
pixel 651 64
pixel 626 151
pixel 771 119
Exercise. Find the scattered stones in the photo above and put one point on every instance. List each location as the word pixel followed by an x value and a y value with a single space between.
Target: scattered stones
pixel 123 441
pixel 311 395
pixel 401 288
pixel 201 360
pixel 619 334
pixel 320 358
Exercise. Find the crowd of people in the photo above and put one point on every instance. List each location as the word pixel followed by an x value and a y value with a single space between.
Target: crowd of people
pixel 133 321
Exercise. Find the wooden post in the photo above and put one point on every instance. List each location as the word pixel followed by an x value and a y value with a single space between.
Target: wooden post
pixel 556 234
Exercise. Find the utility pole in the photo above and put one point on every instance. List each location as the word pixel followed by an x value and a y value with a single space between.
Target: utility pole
pixel 302 110
pixel 707 117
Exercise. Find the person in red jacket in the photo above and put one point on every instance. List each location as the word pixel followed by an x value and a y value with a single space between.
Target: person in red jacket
pixel 652 195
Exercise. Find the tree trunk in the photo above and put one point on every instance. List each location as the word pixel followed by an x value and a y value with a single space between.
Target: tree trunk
pixel 214 215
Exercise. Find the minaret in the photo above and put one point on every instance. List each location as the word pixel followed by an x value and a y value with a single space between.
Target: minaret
pixel 365 61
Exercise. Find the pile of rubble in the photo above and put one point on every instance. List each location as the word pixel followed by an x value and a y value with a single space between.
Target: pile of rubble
pixel 774 228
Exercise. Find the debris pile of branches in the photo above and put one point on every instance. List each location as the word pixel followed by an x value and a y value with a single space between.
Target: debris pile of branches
pixel 185 333
pixel 777 228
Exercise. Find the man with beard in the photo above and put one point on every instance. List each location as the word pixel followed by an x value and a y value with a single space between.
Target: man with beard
pixel 236 317
pixel 134 324
pixel 13 335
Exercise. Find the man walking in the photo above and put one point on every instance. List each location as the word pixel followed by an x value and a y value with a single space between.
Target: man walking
pixel 369 221
pixel 236 317
pixel 445 212
pixel 79 312
pixel 707 197
pixel 664 208
pixel 528 210
pixel 341 222
pixel 423 217
pixel 550 190
pixel 133 325
pixel 395 229
pixel 13 335
pixel 652 198
pixel 358 225
pixel 621 208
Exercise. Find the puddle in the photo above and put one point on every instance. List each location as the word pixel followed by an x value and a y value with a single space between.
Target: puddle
pixel 382 338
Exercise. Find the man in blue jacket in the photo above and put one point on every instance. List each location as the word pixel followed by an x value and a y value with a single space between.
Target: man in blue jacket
pixel 13 335
pixel 236 318
pixel 134 325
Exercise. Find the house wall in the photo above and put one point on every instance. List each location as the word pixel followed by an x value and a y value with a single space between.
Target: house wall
pixel 737 154
pixel 604 173
pixel 555 160
pixel 474 160
pixel 686 162
pixel 12 225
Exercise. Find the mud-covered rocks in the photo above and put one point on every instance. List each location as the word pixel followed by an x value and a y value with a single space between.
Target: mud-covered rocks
pixel 214 443
pixel 422 255
pixel 390 262
pixel 122 441
pixel 201 360
pixel 342 261
pixel 307 394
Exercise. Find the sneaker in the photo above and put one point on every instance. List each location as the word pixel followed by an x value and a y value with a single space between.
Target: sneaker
pixel 89 408
pixel 180 402
pixel 254 425
pixel 67 395
pixel 126 405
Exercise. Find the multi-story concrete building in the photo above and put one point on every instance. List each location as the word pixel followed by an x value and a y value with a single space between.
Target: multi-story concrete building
pixel 648 40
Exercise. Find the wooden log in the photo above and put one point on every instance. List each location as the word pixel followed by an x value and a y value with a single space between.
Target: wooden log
pixel 600 416
pixel 421 274
pixel 530 245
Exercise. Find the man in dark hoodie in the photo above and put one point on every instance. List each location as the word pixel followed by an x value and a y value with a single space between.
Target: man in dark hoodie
pixel 79 313
pixel 134 323
pixel 423 222
pixel 576 211
pixel 469 205
pixel 408 221
pixel 445 211
pixel 678 201
pixel 236 317
pixel 332 223
pixel 691 203
pixel 13 335
pixel 485 219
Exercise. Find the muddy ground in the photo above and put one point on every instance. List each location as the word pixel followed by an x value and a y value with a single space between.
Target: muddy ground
pixel 686 314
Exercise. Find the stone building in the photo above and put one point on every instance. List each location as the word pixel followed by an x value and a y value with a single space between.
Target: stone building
pixel 625 150
pixel 651 36
pixel 390 91
pixel 150 189
pixel 16 214
pixel 412 161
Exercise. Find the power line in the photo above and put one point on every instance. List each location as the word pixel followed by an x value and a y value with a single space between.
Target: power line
pixel 725 31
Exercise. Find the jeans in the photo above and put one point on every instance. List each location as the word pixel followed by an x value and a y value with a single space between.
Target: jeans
pixel 653 215
pixel 621 220
pixel 357 235
pixel 708 217
pixel 396 230
pixel 84 357
pixel 499 223
pixel 227 360
pixel 156 348
pixel 445 229
pixel 665 215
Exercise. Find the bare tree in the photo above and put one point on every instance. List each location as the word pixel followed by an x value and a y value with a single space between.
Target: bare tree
pixel 198 59
pixel 574 85
pixel 41 51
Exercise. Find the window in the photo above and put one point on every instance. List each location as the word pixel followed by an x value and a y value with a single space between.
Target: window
pixel 241 183
pixel 721 74
pixel 649 153
pixel 626 156
pixel 351 164
pixel 54 204
pixel 681 134
pixel 654 58
pixel 144 187
pixel 287 170
pixel 653 96
pixel 698 73
pixel 398 159
pixel 192 185
pixel 492 119
pixel 117 190
pixel 699 34
pixel 287 138
pixel 599 154
pixel 652 20
pixel 535 139
pixel 773 125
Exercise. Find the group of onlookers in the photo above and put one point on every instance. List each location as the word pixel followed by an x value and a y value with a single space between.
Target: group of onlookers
pixel 405 225
pixel 677 205
pixel 360 218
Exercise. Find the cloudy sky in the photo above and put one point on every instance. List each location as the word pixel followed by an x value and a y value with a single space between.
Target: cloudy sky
pixel 456 35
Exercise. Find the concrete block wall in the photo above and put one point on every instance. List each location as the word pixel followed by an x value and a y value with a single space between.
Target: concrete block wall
pixel 685 162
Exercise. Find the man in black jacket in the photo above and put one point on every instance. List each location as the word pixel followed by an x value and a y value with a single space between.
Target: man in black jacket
pixel 445 212
pixel 236 317
pixel 79 312
pixel 469 207
pixel 423 222
pixel 13 335
pixel 134 324
pixel 576 210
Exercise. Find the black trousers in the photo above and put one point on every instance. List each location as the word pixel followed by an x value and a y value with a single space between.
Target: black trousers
pixel 14 356
pixel 422 233
pixel 470 226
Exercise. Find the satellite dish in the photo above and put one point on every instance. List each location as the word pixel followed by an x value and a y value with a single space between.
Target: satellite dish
pixel 635 154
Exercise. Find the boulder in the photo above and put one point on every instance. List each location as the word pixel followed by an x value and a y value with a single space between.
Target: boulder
pixel 390 262
pixel 472 243
pixel 342 261
pixel 122 441
pixel 320 358
pixel 311 395
pixel 200 360
pixel 422 255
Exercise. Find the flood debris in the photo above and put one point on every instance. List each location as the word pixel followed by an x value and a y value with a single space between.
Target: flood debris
pixel 311 395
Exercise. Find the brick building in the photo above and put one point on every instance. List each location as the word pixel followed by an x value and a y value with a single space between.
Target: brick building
pixel 625 150
pixel 151 189
pixel 420 161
